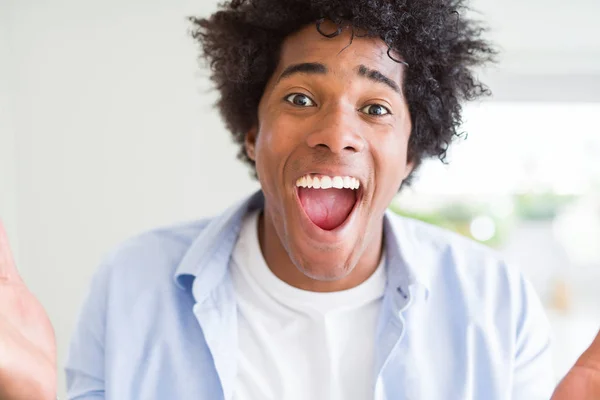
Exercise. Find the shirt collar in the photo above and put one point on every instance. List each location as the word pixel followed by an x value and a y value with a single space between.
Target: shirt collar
pixel 207 259
pixel 407 255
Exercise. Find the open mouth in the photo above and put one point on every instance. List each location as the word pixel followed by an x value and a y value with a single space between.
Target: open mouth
pixel 328 201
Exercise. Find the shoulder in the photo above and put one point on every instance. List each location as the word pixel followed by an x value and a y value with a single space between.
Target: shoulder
pixel 150 257
pixel 442 244
pixel 473 282
pixel 457 264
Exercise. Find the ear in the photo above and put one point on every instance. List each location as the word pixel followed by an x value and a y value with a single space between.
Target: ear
pixel 250 143
pixel 410 166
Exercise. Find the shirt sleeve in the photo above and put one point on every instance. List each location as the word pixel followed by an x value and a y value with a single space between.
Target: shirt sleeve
pixel 84 367
pixel 533 376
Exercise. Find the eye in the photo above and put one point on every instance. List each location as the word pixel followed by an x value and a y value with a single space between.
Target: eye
pixel 299 99
pixel 375 109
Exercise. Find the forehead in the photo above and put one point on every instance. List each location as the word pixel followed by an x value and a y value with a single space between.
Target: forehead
pixel 338 53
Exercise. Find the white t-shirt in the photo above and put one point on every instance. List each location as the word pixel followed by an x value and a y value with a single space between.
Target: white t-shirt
pixel 297 344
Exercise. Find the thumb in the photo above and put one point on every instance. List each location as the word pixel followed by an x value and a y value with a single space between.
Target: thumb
pixel 590 359
pixel 582 382
pixel 8 270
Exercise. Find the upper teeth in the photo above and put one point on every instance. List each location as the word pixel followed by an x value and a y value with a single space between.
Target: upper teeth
pixel 327 182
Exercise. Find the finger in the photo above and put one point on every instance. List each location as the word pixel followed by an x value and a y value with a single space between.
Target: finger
pixel 8 270
pixel 591 357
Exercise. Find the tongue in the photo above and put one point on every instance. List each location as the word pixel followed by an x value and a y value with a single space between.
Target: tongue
pixel 327 208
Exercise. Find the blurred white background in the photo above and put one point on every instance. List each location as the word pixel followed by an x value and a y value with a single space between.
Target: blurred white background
pixel 107 129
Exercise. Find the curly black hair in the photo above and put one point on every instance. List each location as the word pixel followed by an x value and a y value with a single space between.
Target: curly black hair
pixel 437 40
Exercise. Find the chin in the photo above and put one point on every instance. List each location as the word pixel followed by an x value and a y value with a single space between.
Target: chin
pixel 323 261
pixel 325 268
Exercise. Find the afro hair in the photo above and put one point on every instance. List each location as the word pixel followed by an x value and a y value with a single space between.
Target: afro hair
pixel 440 44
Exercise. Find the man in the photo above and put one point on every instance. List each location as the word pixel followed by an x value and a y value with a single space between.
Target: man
pixel 309 289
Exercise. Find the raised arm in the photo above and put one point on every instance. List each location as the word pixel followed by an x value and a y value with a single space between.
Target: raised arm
pixel 27 342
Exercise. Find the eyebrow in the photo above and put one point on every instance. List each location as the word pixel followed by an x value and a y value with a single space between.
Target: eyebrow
pixel 303 68
pixel 321 69
pixel 378 77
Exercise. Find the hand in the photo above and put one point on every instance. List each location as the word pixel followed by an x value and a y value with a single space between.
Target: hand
pixel 28 347
pixel 27 342
pixel 582 382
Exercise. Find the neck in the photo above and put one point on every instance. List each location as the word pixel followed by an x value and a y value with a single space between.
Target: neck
pixel 280 263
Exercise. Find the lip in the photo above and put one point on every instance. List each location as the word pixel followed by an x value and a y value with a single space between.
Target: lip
pixel 333 236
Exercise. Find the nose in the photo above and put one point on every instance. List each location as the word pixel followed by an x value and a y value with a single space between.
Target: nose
pixel 338 131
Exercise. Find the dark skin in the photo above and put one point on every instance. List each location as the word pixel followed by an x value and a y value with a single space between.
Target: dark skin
pixel 335 135
pixel 351 119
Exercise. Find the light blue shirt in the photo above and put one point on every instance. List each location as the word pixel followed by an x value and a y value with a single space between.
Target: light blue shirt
pixel 160 320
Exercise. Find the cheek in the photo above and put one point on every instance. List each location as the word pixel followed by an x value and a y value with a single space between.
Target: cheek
pixel 276 140
pixel 395 154
pixel 274 145
pixel 391 163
